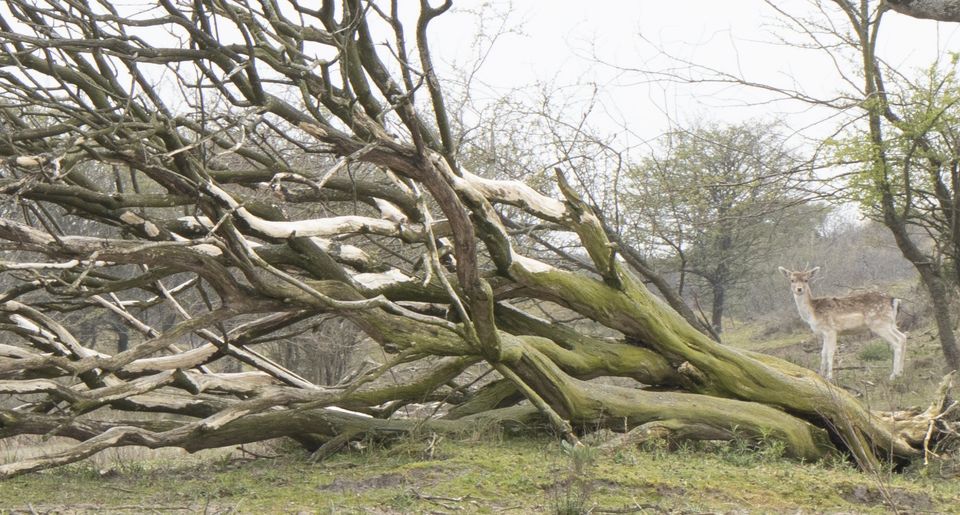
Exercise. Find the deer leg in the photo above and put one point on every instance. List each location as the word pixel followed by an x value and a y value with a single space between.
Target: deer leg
pixel 900 359
pixel 827 352
pixel 897 342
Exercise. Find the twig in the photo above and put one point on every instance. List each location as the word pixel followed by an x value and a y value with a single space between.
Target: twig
pixel 121 489
pixel 333 445
pixel 438 500
pixel 432 446
pixel 635 508
pixel 244 450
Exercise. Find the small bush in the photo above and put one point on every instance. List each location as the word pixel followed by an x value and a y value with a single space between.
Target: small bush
pixel 659 448
pixel 567 499
pixel 403 501
pixel 744 450
pixel 582 457
pixel 572 496
pixel 878 351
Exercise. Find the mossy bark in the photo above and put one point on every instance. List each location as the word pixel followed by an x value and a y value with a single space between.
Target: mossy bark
pixel 622 302
pixel 621 408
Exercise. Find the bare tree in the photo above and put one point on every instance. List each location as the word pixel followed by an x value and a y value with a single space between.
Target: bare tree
pixel 598 168
pixel 257 166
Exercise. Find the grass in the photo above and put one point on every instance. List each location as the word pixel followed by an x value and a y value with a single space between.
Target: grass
pixel 761 337
pixel 486 475
pixel 862 362
pixel 876 351
pixel 490 472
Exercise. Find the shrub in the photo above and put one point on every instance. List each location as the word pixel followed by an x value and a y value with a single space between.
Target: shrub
pixel 877 351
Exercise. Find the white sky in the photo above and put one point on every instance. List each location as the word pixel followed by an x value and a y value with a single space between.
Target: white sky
pixel 559 36
pixel 553 42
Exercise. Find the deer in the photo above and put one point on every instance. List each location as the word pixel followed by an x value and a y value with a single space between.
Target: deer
pixel 829 316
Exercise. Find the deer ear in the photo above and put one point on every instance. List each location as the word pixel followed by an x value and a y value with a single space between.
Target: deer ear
pixel 814 271
pixel 784 271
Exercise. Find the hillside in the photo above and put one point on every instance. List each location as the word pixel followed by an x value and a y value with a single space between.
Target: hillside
pixel 863 360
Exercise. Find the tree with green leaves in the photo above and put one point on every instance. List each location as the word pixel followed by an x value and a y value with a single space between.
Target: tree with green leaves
pixel 906 156
pixel 878 122
pixel 716 200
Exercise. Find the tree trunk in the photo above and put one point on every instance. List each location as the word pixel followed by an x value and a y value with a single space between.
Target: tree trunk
pixel 716 311
pixel 940 301
pixel 932 282
pixel 940 10
pixel 883 180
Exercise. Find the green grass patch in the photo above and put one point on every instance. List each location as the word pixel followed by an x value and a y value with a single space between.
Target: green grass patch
pixel 762 337
pixel 876 351
pixel 524 475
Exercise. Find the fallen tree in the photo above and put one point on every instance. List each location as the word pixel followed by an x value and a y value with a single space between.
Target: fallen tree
pixel 277 166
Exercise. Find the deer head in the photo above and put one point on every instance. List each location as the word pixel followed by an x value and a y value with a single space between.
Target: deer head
pixel 799 281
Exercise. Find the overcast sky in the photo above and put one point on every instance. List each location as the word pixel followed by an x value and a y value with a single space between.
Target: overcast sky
pixel 552 41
